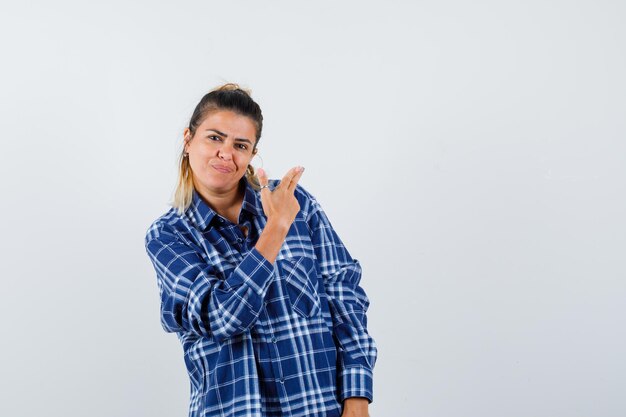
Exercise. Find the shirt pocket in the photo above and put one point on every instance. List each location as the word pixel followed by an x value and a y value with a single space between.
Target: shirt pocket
pixel 301 283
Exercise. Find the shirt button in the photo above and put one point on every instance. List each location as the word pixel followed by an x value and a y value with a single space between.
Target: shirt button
pixel 239 239
pixel 273 339
pixel 282 380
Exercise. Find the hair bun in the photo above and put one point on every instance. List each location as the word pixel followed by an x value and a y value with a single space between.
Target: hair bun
pixel 233 87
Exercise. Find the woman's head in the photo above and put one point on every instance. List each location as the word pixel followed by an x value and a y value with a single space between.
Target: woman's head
pixel 227 97
pixel 221 139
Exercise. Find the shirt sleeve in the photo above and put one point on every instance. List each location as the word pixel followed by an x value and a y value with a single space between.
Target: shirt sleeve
pixel 348 305
pixel 194 299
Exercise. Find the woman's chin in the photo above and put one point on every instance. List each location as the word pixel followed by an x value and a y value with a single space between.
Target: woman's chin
pixel 221 184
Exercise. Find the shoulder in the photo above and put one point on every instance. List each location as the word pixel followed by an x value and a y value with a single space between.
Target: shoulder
pixel 164 228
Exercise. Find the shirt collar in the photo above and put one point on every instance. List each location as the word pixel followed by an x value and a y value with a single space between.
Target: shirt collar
pixel 201 213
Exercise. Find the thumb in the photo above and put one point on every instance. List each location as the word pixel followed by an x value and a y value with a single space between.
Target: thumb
pixel 262 176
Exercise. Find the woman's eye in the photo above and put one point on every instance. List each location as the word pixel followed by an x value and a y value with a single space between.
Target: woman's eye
pixel 242 146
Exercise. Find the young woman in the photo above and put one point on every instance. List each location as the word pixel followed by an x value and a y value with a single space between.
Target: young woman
pixel 258 287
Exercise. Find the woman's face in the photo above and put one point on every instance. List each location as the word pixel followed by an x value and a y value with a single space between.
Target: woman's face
pixel 220 151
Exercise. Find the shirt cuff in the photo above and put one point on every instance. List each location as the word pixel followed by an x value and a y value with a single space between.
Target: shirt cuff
pixel 356 381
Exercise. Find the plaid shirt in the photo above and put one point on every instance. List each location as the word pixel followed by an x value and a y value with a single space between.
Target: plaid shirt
pixel 263 339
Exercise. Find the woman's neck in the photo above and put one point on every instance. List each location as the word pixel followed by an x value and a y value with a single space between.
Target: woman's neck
pixel 227 204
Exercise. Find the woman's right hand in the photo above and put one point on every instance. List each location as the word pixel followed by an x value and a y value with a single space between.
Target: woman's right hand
pixel 281 205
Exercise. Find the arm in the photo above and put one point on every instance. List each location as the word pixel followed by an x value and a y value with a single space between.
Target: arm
pixel 194 299
pixel 348 305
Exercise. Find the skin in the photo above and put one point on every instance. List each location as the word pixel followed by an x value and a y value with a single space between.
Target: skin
pixel 355 407
pixel 225 140
pixel 219 154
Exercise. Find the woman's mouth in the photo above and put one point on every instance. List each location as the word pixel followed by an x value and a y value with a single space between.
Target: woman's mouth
pixel 222 169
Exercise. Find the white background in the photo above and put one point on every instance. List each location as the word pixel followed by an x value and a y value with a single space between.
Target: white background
pixel 470 154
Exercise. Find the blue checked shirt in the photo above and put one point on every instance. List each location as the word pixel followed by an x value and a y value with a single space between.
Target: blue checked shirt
pixel 262 339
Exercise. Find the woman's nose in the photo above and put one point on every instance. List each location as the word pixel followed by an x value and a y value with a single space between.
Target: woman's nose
pixel 224 154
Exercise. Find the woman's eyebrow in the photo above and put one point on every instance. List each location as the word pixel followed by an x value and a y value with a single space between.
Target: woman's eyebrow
pixel 225 135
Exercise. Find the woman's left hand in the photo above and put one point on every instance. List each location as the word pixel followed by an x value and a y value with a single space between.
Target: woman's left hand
pixel 355 407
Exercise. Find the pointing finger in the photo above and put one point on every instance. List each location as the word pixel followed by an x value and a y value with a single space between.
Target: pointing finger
pixel 289 176
pixel 296 178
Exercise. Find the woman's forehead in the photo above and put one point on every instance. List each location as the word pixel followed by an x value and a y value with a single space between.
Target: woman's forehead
pixel 228 122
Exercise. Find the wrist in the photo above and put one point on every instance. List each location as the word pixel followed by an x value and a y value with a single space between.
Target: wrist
pixel 278 225
pixel 271 239
pixel 355 403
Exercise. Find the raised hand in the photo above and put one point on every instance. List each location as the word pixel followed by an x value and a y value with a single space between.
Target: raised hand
pixel 280 205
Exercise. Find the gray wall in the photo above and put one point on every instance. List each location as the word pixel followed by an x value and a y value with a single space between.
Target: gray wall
pixel 470 154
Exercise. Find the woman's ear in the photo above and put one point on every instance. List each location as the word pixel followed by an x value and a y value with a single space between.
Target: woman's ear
pixel 187 139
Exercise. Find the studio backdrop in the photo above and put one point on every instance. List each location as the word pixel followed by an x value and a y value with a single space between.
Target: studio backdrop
pixel 470 155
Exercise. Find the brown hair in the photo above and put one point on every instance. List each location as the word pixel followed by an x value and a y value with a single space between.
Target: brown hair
pixel 228 96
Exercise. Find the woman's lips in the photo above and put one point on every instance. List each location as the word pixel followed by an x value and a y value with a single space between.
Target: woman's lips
pixel 222 169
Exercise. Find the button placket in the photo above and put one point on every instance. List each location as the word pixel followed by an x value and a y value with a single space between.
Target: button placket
pixel 277 365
